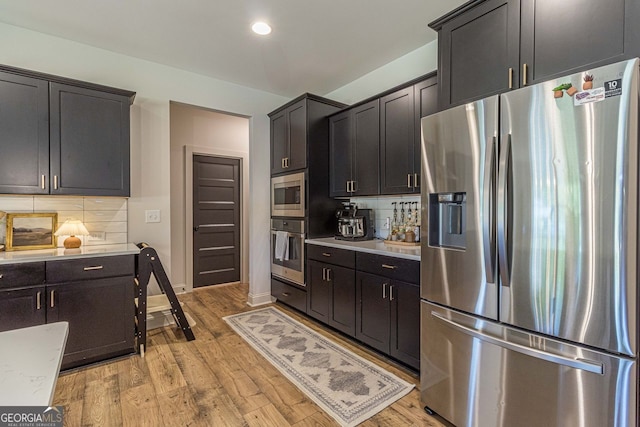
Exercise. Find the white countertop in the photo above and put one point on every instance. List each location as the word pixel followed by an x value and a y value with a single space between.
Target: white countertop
pixel 376 246
pixel 30 361
pixel 14 257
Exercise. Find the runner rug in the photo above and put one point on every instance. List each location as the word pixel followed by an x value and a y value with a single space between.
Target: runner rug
pixel 349 388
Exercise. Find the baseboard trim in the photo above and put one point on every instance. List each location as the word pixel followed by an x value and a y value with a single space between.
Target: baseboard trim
pixel 255 300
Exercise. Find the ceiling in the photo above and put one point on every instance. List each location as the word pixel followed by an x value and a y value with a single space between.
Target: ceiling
pixel 316 46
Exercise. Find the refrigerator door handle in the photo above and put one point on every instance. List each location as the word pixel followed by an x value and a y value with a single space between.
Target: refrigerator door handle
pixel 488 226
pixel 583 364
pixel 503 203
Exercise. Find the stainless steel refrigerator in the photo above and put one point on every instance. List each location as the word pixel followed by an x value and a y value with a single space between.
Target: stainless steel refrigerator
pixel 529 270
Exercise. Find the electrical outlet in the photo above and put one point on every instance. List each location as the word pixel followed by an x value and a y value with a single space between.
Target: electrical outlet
pixel 152 215
pixel 387 224
pixel 97 235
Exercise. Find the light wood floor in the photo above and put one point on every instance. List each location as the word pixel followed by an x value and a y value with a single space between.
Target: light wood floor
pixel 216 380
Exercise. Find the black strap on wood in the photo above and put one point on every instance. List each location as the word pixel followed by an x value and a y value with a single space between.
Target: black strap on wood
pixel 149 263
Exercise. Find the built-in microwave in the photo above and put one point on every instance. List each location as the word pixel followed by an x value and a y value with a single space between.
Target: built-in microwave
pixel 288 195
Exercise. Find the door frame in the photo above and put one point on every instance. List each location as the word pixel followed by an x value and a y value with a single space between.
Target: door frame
pixel 189 152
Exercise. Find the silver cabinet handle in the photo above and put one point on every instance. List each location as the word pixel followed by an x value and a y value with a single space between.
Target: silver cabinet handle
pixel 348 186
pixel 286 294
pixel 409 180
pixel 391 293
pixel 55 182
pixel 354 186
pixel 286 161
pixel 39 300
pixel 42 182
pixel 384 290
pixel 584 364
pixel 52 298
pixel 327 254
pixel 97 267
pixel 390 267
pixel 328 274
pixel 510 78
pixel 0 276
pixel 282 163
pixel 324 274
pixel 416 180
pixel 524 74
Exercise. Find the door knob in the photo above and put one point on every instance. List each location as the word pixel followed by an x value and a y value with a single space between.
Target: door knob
pixel 196 228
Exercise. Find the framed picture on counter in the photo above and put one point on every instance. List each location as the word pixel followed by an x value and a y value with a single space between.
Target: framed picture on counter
pixel 31 231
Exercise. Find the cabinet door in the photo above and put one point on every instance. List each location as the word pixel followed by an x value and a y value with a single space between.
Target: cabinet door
pixel 397 141
pixel 405 323
pixel 100 315
pixel 372 316
pixel 366 143
pixel 343 299
pixel 297 120
pixel 477 49
pixel 279 143
pixel 89 142
pixel 24 124
pixel 426 103
pixel 340 153
pixel 565 37
pixel 318 291
pixel 21 308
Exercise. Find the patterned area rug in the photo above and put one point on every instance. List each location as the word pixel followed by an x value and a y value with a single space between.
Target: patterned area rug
pixel 346 386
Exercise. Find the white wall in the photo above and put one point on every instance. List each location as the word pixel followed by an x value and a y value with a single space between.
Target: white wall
pixel 156 85
pixel 414 64
pixel 199 131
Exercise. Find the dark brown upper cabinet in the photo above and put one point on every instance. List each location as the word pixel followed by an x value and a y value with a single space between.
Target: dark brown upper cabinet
pixel 299 133
pixel 354 141
pixel 400 135
pixel 89 142
pixel 24 125
pixel 63 136
pixel 289 138
pixel 492 46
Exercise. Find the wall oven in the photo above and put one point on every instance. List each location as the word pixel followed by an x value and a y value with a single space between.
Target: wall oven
pixel 288 195
pixel 287 250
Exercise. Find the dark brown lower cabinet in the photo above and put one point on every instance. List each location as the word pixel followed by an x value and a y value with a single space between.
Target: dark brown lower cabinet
pixel 404 342
pixel 100 315
pixel 332 295
pixel 373 311
pixel 388 316
pixel 95 295
pixel 21 308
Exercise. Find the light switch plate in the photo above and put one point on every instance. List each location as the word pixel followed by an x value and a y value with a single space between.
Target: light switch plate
pixel 152 215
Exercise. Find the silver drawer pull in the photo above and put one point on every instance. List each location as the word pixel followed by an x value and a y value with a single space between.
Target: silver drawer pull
pixel 97 267
pixel 323 254
pixel 39 300
pixel 286 294
pixel 390 267
pixel 0 276
pixel 52 297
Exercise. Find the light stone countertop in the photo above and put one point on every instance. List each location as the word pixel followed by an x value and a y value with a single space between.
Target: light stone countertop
pixel 376 246
pixel 30 361
pixel 15 257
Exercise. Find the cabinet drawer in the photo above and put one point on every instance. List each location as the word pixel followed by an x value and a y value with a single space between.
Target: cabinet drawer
pixel 343 257
pixel 22 274
pixel 391 267
pixel 290 295
pixel 90 268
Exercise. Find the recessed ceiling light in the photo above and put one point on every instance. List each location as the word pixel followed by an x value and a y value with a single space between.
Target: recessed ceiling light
pixel 261 28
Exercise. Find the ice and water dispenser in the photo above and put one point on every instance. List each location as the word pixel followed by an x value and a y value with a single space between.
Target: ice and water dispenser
pixel 448 220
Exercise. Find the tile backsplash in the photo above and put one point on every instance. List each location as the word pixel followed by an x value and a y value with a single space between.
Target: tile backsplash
pixel 383 209
pixel 104 217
